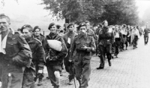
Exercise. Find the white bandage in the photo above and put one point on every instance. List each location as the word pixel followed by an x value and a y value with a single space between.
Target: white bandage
pixel 57 74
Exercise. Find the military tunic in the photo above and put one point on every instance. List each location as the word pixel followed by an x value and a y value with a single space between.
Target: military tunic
pixel 81 58
pixel 38 54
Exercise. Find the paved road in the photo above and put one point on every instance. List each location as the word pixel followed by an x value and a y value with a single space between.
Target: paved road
pixel 130 70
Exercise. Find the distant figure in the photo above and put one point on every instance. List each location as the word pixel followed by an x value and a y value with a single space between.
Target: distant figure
pixel 146 36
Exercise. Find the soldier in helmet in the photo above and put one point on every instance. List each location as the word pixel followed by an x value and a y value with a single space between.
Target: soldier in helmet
pixel 105 41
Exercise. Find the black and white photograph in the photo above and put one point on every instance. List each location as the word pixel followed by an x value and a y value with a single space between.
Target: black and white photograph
pixel 74 44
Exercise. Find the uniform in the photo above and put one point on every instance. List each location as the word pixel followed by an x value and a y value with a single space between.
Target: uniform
pixel 37 62
pixel 116 43
pixel 146 36
pixel 105 41
pixel 40 76
pixel 81 58
pixel 17 57
pixel 54 58
pixel 68 38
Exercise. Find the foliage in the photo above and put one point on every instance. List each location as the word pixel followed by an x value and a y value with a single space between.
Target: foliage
pixel 115 11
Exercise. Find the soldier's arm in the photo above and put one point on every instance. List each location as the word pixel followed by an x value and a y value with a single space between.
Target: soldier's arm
pixel 72 49
pixel 25 50
pixel 93 46
pixel 24 55
pixel 40 53
pixel 46 47
pixel 64 49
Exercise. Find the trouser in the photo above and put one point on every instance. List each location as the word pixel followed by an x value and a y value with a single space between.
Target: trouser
pixel 104 50
pixel 116 45
pixel 28 78
pixel 12 80
pixel 39 76
pixel 129 40
pixel 69 68
pixel 51 69
pixel 82 70
pixel 135 40
pixel 0 72
pixel 146 38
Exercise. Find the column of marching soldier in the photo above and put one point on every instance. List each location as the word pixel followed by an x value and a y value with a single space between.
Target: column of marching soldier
pixel 24 53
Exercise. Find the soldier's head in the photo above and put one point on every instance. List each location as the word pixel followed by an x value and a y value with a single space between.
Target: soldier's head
pixel 82 29
pixel 52 27
pixel 4 23
pixel 27 31
pixel 87 24
pixel 70 27
pixel 105 23
pixel 37 30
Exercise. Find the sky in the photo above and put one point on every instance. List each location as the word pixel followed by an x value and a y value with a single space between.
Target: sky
pixel 143 5
pixel 31 12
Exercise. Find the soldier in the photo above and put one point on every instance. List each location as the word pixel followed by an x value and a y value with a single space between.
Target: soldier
pixel 68 38
pixel 135 37
pixel 54 58
pixel 39 69
pixel 37 59
pixel 106 40
pixel 15 55
pixel 146 35
pixel 117 41
pixel 81 49
pixel 89 29
pixel 37 34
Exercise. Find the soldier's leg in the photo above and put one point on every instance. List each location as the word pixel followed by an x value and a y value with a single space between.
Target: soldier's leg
pixel 29 78
pixel 71 73
pixel 69 69
pixel 109 58
pixel 40 75
pixel 108 53
pixel 52 76
pixel 78 71
pixel 86 71
pixel 102 57
pixel 5 78
pixel 116 50
pixel 147 38
pixel 66 63
pixel 16 80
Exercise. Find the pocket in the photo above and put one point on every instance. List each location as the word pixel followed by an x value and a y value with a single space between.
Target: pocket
pixel 12 48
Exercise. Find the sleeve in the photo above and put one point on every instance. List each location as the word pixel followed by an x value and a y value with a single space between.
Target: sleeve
pixel 40 54
pixel 46 47
pixel 25 49
pixel 23 58
pixel 64 49
pixel 93 46
pixel 72 50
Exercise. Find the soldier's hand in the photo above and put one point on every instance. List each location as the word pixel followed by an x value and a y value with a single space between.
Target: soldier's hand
pixel 70 60
pixel 54 58
pixel 16 58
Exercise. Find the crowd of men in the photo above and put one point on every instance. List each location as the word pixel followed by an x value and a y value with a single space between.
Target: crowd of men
pixel 25 52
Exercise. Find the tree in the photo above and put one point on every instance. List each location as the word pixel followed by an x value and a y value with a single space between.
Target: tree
pixel 120 12
pixel 115 11
pixel 74 10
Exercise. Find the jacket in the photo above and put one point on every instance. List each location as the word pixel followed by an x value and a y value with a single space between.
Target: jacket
pixel 18 53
